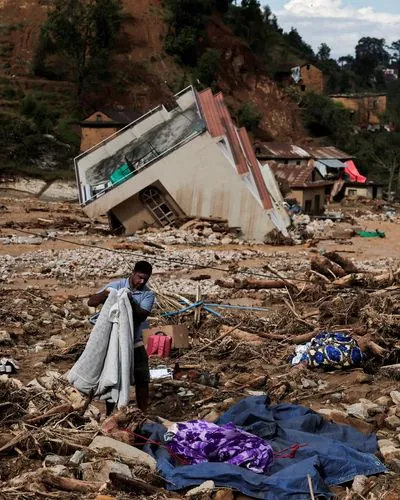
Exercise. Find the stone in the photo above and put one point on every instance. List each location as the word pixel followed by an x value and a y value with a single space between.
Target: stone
pixel 383 401
pixel 213 416
pixel 51 460
pixel 308 383
pixel 5 338
pixel 223 495
pixel 393 422
pixel 358 410
pixel 57 341
pixel 340 417
pixel 100 471
pixel 123 449
pixel 395 395
pixel 205 487
pixel 388 449
pixel 359 483
pixel 77 457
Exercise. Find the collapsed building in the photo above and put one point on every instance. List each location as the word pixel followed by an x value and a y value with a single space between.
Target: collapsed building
pixel 188 160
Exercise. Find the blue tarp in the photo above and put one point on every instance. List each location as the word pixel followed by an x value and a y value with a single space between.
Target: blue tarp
pixel 333 454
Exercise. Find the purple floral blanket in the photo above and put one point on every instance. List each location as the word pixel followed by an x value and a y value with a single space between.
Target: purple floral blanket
pixel 198 441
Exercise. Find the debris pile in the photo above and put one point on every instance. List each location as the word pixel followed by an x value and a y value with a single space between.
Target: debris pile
pixel 55 443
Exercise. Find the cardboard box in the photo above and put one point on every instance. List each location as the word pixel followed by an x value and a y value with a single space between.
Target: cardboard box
pixel 179 334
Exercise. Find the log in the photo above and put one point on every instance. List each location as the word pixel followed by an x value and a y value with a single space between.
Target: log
pixel 249 284
pixel 326 267
pixel 70 484
pixel 64 408
pixel 344 263
pixel 130 485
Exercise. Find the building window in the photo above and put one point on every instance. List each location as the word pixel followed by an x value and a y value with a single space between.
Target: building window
pixel 158 206
pixel 98 117
pixel 308 206
pixel 308 67
pixel 352 193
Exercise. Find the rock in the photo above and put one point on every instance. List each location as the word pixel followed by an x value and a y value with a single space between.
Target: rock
pixel 395 395
pixel 358 410
pixel 100 471
pixel 308 383
pixel 392 422
pixel 336 397
pixel 226 241
pixel 388 449
pixel 77 457
pixel 212 416
pixel 223 495
pixel 51 460
pixel 5 338
pixel 57 341
pixel 205 487
pixel 125 450
pixel 340 417
pixel 384 401
pixel 359 483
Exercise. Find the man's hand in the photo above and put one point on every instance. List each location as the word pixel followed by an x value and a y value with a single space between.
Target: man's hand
pixel 98 298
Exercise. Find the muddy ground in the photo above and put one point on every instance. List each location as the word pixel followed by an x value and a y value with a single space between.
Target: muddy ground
pixel 45 283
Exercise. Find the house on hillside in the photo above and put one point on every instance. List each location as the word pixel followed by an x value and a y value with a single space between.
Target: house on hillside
pixel 105 122
pixel 288 154
pixel 305 184
pixel 188 160
pixel 367 109
pixel 305 75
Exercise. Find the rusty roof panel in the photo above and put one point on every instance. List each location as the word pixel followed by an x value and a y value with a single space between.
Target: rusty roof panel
pixel 226 119
pixel 281 151
pixel 255 169
pixel 295 175
pixel 328 153
pixel 210 113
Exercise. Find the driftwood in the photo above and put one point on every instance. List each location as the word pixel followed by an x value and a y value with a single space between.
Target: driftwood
pixel 129 485
pixel 70 484
pixel 344 263
pixel 250 284
pixel 326 267
pixel 64 408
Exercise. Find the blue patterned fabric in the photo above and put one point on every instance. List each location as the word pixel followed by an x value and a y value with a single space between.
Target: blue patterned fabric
pixel 332 350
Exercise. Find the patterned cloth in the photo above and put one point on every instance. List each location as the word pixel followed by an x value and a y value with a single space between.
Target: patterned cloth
pixel 198 441
pixel 330 350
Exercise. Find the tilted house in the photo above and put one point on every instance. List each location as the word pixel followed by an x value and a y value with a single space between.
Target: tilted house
pixel 191 160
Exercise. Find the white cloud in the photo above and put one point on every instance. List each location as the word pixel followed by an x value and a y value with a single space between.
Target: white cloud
pixel 338 25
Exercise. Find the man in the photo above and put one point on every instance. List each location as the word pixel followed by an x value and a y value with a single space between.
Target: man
pixel 142 300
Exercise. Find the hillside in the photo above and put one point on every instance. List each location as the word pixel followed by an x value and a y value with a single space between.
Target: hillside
pixel 143 76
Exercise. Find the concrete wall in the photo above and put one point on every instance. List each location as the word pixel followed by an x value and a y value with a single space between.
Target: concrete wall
pixel 312 78
pixel 202 181
pixel 359 192
pixel 303 195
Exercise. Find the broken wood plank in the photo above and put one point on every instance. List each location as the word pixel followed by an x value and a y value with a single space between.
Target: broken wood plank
pixel 71 484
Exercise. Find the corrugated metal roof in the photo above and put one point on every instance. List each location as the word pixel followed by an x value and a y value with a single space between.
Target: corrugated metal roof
pixel 281 151
pixel 255 169
pixel 330 152
pixel 230 128
pixel 333 163
pixel 295 175
pixel 219 122
pixel 210 113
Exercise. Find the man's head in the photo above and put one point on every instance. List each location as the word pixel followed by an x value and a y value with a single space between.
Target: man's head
pixel 141 274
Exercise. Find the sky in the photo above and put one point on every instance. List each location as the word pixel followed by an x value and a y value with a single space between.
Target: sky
pixel 339 23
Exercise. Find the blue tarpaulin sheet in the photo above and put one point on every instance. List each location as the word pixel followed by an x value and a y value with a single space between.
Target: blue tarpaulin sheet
pixel 334 454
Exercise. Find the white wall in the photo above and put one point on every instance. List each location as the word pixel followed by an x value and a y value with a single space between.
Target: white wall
pixel 202 181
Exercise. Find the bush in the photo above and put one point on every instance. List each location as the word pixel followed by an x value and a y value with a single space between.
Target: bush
pixel 208 66
pixel 43 118
pixel 248 117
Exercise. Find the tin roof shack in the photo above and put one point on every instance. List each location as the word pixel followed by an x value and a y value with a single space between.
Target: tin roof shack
pixel 100 125
pixel 369 190
pixel 367 109
pixel 288 154
pixel 306 185
pixel 305 75
pixel 188 160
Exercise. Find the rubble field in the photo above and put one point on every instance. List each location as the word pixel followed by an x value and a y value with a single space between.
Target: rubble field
pixel 53 441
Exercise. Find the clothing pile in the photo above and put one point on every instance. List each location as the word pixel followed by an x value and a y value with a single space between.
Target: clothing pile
pixel 329 350
pixel 199 442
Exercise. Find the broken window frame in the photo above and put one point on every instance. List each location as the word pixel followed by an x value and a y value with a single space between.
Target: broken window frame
pixel 155 202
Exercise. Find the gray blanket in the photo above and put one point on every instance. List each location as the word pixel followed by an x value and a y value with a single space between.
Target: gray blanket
pixel 106 365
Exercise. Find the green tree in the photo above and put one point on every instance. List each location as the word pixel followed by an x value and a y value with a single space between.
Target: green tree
pixel 371 54
pixel 208 66
pixel 248 116
pixel 324 52
pixel 84 32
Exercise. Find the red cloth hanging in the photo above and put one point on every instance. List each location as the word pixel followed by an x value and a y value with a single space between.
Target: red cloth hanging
pixel 352 171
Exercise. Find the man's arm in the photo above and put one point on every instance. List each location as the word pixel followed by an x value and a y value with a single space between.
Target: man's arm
pixel 98 298
pixel 141 312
